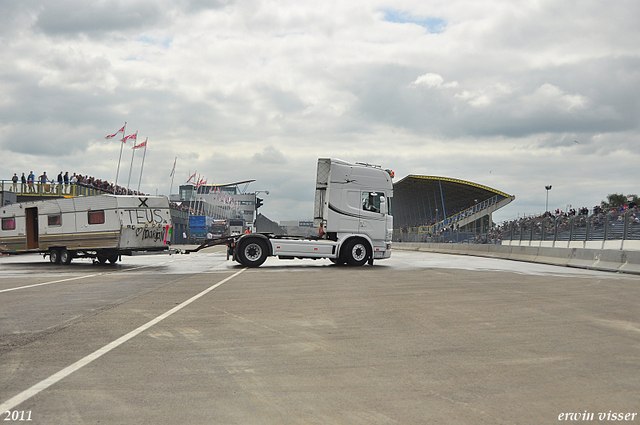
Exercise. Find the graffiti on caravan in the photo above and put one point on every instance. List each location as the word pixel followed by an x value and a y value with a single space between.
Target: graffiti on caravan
pixel 144 233
pixel 144 216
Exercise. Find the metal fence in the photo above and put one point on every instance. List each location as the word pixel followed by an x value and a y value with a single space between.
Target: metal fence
pixel 605 226
pixel 611 225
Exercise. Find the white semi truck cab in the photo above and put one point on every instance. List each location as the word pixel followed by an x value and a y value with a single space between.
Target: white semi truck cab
pixel 352 212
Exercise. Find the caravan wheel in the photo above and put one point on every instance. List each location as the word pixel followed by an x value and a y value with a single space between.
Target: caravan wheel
pixel 65 256
pixel 54 256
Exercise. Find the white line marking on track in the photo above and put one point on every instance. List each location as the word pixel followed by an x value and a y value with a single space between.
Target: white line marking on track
pixel 49 283
pixel 78 278
pixel 56 377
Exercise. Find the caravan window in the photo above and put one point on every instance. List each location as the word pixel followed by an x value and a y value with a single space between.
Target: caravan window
pixel 55 220
pixel 9 223
pixel 96 217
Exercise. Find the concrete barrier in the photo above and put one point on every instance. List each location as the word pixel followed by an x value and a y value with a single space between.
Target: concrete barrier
pixel 523 253
pixel 631 262
pixel 613 260
pixel 609 260
pixel 554 256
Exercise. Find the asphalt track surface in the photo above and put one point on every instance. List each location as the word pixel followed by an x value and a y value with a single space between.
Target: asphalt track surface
pixel 417 339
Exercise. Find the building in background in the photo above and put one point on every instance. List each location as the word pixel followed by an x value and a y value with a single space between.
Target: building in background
pixel 211 202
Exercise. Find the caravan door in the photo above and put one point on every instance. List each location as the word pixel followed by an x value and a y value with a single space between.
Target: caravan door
pixel 31 216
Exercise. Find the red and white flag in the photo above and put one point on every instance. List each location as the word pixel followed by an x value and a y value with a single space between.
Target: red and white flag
pixel 111 136
pixel 191 177
pixel 201 182
pixel 173 170
pixel 141 145
pixel 133 137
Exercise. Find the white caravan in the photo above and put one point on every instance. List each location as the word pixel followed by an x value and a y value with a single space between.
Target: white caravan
pixel 352 213
pixel 103 227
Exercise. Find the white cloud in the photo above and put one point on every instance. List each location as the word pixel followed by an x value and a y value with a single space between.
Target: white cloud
pixel 261 88
pixel 432 80
pixel 485 96
pixel 548 96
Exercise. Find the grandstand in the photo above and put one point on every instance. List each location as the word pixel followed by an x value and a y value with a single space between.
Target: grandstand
pixel 427 205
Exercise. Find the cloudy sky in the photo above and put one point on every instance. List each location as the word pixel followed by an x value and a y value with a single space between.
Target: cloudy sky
pixel 510 94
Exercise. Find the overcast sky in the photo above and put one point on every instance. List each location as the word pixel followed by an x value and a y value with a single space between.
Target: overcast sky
pixel 514 95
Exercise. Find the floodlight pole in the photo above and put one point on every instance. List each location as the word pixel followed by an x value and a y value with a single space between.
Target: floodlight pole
pixel 546 206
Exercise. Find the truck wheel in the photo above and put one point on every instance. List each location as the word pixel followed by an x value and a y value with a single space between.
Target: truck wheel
pixel 356 252
pixel 54 256
pixel 113 259
pixel 253 252
pixel 101 259
pixel 65 257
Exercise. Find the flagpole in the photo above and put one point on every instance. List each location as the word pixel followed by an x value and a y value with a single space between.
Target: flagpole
pixel 190 208
pixel 142 166
pixel 132 155
pixel 173 174
pixel 197 208
pixel 124 131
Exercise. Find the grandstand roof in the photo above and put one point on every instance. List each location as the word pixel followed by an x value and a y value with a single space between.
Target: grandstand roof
pixel 423 200
pixel 228 184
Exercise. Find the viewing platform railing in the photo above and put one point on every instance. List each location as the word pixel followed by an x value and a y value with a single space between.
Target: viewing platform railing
pixel 52 189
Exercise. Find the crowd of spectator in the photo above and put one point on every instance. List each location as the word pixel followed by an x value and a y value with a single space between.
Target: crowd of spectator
pixel 547 222
pixel 63 182
pixel 184 206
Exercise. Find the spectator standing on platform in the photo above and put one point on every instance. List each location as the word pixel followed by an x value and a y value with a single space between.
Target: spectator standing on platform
pixel 66 182
pixel 43 179
pixel 31 180
pixel 23 180
pixel 60 183
pixel 14 179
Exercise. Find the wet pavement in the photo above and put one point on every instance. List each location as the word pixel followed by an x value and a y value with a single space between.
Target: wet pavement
pixel 419 338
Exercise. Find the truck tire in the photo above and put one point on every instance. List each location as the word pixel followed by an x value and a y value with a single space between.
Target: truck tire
pixel 253 252
pixel 113 259
pixel 65 256
pixel 356 252
pixel 54 256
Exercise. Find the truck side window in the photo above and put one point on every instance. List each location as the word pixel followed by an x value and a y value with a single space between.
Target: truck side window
pixel 9 223
pixel 371 201
pixel 96 217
